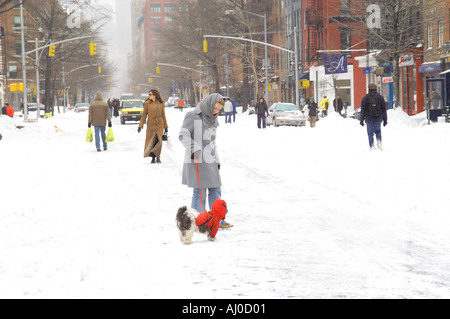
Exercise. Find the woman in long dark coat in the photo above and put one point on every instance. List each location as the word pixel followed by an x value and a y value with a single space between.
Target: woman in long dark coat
pixel 156 125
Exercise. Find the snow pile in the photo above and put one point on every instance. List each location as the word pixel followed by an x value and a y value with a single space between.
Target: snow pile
pixel 8 125
pixel 399 118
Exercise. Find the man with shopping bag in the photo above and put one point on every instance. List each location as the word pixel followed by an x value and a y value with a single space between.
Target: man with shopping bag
pixel 98 114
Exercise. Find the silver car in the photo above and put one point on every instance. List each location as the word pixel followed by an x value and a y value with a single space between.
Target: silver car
pixel 285 114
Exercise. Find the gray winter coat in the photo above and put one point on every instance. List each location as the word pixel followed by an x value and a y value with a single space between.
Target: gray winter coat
pixel 198 133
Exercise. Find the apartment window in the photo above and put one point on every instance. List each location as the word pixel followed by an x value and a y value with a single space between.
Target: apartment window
pixel 156 30
pixel 156 41
pixel 168 19
pixel 169 7
pixel 155 20
pixel 155 8
pixel 430 35
pixel 16 23
pixel 12 68
pixel 441 33
pixel 345 38
pixel 18 47
pixel 345 7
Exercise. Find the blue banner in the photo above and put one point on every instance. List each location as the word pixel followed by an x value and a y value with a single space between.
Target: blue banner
pixel 335 63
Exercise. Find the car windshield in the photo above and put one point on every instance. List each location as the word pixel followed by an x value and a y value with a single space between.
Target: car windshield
pixel 287 107
pixel 132 104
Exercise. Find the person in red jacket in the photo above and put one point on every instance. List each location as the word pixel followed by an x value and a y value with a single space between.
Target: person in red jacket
pixel 212 218
pixel 9 111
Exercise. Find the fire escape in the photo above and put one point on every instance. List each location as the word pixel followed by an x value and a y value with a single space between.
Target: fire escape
pixel 314 23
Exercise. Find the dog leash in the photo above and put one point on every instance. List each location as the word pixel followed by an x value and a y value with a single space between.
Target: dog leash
pixel 199 187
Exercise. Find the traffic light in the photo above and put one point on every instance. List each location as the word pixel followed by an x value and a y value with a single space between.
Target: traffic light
pixel 150 80
pixel 51 50
pixel 205 46
pixel 99 70
pixel 157 70
pixel 92 48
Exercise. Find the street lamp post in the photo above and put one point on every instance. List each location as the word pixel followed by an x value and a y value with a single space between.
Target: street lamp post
pixel 24 68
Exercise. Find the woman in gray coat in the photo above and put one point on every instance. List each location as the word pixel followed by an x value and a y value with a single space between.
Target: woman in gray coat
pixel 198 136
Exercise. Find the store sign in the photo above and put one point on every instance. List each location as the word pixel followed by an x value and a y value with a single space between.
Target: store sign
pixel 429 68
pixel 388 79
pixel 335 63
pixel 406 60
pixel 303 84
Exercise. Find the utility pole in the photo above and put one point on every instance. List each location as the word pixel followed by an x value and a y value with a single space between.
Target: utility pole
pixel 297 97
pixel 24 67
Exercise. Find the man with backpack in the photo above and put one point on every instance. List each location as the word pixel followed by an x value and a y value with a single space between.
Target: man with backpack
pixel 373 111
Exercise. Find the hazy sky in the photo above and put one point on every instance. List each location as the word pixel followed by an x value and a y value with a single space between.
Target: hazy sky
pixel 118 35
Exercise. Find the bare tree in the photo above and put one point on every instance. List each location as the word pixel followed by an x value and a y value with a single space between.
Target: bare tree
pixel 54 26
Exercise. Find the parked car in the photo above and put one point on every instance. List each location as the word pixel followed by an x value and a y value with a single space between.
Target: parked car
pixel 285 114
pixel 81 107
pixel 172 101
pixel 32 107
pixel 131 110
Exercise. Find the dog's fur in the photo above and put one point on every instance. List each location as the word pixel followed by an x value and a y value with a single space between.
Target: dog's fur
pixel 187 225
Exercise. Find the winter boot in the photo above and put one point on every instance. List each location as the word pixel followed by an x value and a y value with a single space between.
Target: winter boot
pixel 153 160
pixel 158 160
pixel 380 146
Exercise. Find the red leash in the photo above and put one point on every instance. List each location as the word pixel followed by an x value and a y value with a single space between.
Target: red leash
pixel 199 188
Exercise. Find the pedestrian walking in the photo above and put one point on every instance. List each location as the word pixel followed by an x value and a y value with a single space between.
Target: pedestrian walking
pixel 338 105
pixel 312 112
pixel 324 104
pixel 4 109
pixel 156 125
pixel 110 107
pixel 261 111
pixel 373 112
pixel 201 167
pixel 116 104
pixel 234 103
pixel 228 108
pixel 180 104
pixel 98 115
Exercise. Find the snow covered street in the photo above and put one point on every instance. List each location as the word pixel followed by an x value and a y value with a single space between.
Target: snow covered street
pixel 316 214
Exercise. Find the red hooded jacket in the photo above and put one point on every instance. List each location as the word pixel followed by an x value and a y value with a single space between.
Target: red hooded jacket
pixel 9 111
pixel 212 219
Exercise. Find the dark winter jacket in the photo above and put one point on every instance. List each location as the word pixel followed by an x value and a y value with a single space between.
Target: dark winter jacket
pixel 261 107
pixel 367 117
pixel 312 107
pixel 338 105
pixel 212 219
pixel 4 110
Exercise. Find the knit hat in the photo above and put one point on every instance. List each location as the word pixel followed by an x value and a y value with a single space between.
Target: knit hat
pixel 372 87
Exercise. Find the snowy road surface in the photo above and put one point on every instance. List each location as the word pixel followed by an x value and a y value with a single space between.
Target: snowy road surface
pixel 316 214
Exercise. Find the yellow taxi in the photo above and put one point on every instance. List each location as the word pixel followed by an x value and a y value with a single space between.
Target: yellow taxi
pixel 131 110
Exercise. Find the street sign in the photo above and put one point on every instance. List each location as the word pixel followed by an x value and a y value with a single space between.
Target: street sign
pixel 387 79
pixel 303 84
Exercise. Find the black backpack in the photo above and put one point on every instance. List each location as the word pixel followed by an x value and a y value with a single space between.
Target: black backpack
pixel 373 105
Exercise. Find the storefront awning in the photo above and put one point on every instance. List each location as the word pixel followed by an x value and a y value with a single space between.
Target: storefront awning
pixel 303 76
pixel 445 72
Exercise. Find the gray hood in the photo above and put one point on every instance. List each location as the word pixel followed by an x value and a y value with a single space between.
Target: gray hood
pixel 206 107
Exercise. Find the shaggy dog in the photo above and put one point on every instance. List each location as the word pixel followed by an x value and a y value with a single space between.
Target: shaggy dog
pixel 190 221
